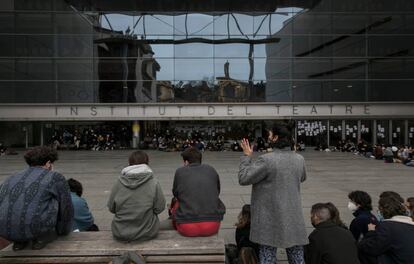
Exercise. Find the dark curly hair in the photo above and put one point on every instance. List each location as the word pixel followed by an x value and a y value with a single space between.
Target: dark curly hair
pixel 75 186
pixel 362 198
pixel 392 194
pixel 390 206
pixel 39 156
pixel 284 133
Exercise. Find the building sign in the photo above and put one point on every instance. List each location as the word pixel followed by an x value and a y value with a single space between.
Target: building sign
pixel 16 112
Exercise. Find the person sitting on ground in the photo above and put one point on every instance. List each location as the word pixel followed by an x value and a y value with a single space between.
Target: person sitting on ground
pixel 335 216
pixel 410 206
pixel 83 219
pixel 136 200
pixel 197 210
pixel 360 205
pixel 329 243
pixel 243 231
pixel 388 155
pixel 35 204
pixel 392 240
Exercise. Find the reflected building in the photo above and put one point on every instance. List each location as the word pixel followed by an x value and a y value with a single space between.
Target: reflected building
pixel 194 54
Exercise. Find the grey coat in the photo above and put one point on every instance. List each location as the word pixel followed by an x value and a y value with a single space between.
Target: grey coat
pixel 276 207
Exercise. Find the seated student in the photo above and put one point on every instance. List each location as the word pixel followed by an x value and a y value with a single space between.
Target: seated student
pixel 136 200
pixel 329 243
pixel 388 155
pixel 335 216
pixel 198 209
pixel 35 204
pixel 243 231
pixel 410 206
pixel 83 219
pixel 360 205
pixel 392 240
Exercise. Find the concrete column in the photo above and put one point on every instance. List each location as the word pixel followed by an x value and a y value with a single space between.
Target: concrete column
pixel 359 130
pixel 343 130
pixel 390 139
pixel 41 134
pixel 406 132
pixel 135 134
pixel 374 132
pixel 328 136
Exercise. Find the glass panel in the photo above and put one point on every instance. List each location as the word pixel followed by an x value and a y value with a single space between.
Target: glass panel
pixel 33 4
pixel 233 24
pixel 278 69
pixel 351 131
pixel 391 69
pixel 34 23
pixel 7 69
pixel 156 24
pixel 387 46
pixel 118 22
pixel 6 23
pixel 411 132
pixel 231 50
pixel 382 132
pixel 75 46
pixel 278 91
pixel 312 133
pixel 75 69
pixel 194 69
pixel 33 46
pixel 71 23
pixel 193 50
pixel 40 69
pixel 366 130
pixel 335 133
pixel 398 132
pixel 395 90
pixel 76 92
pixel 196 25
pixel 163 50
pixel 312 23
pixel 237 69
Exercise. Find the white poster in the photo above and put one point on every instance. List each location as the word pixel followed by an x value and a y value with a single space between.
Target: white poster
pixel 398 129
pixel 335 130
pixel 354 135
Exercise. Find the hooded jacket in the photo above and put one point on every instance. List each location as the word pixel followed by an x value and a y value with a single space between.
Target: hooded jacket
pixel 136 200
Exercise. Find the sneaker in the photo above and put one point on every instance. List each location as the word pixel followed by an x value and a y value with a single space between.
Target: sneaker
pixel 19 245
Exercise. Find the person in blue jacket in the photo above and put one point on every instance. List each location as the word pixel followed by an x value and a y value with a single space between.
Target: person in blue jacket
pixel 83 218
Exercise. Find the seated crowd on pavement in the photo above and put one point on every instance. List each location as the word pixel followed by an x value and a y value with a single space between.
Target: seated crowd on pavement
pixel 37 205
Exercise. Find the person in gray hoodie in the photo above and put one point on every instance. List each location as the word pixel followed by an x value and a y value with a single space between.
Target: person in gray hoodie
pixel 136 200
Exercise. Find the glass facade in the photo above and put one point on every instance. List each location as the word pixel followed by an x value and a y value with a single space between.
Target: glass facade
pixel 102 51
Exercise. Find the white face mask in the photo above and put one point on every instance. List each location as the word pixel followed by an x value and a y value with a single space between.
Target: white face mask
pixel 352 207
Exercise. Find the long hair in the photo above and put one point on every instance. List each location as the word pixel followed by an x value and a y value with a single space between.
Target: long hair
pixel 247 256
pixel 244 217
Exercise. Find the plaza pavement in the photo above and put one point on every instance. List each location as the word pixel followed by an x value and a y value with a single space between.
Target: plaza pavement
pixel 331 176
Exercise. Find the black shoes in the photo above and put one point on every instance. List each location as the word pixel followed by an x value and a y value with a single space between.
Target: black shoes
pixel 38 244
pixel 20 245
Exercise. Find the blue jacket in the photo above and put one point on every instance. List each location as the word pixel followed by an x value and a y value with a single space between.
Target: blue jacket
pixel 359 226
pixel 83 218
pixel 33 202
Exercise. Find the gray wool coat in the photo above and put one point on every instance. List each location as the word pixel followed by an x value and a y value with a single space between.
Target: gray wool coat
pixel 276 207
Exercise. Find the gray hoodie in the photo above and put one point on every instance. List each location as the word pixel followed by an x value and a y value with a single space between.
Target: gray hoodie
pixel 136 200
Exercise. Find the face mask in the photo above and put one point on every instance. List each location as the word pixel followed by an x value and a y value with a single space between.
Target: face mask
pixel 352 207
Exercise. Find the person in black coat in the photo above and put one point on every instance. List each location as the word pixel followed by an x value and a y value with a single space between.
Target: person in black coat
pixel 392 240
pixel 360 205
pixel 243 231
pixel 329 243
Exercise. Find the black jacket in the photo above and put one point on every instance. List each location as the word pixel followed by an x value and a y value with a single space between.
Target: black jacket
pixel 331 244
pixel 243 239
pixel 197 189
pixel 392 240
pixel 359 226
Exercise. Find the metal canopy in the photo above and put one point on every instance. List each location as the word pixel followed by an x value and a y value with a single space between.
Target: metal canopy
pixel 189 6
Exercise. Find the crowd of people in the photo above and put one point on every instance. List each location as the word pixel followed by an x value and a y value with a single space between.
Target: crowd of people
pixel 38 204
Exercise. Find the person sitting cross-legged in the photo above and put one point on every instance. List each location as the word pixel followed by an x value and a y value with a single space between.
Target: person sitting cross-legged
pixel 392 240
pixel 329 243
pixel 197 209
pixel 35 203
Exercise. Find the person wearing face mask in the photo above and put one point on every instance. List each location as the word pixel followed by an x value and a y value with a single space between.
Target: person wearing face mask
pixel 329 243
pixel 360 204
pixel 276 208
pixel 35 203
pixel 392 240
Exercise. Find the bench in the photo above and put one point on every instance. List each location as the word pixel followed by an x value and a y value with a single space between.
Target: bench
pixel 100 247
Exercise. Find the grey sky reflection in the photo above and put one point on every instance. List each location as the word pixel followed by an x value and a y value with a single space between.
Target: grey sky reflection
pixel 198 61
